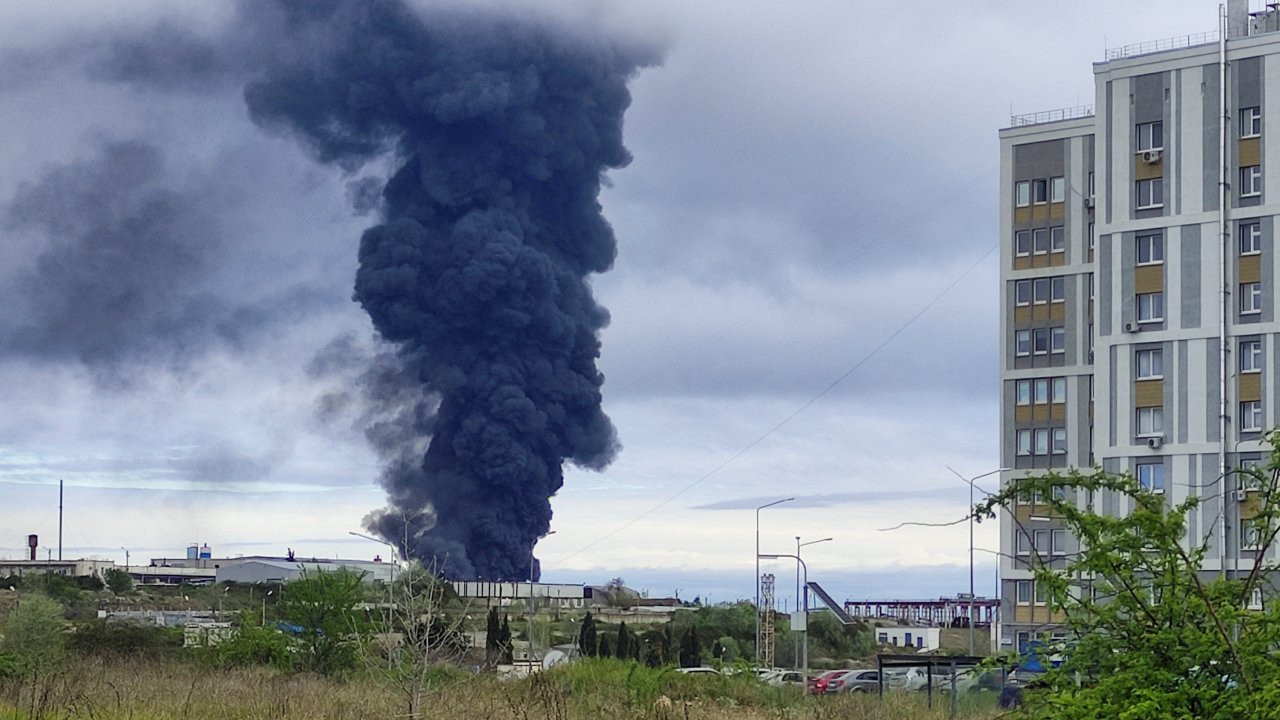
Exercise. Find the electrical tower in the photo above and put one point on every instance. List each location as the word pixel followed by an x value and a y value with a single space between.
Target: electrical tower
pixel 766 624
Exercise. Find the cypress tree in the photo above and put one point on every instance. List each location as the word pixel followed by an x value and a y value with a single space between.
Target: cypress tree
pixel 492 639
pixel 623 647
pixel 505 634
pixel 587 637
pixel 606 650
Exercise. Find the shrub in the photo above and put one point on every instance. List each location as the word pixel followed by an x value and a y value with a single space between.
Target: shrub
pixel 118 639
pixel 34 636
pixel 252 645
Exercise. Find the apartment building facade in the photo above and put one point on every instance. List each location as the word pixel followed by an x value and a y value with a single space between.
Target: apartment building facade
pixel 1115 251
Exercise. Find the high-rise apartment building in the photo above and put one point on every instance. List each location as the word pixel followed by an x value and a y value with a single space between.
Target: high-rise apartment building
pixel 1116 249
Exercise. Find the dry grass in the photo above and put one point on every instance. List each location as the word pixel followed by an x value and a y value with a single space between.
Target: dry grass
pixel 136 690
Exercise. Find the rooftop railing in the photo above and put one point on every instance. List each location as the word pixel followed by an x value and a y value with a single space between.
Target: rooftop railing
pixel 1154 46
pixel 1048 116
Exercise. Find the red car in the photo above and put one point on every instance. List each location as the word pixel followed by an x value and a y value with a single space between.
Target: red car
pixel 818 685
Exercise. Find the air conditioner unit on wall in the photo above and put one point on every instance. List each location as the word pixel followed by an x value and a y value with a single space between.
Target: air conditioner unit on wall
pixel 1088 202
pixel 1151 156
pixel 1239 495
pixel 1155 443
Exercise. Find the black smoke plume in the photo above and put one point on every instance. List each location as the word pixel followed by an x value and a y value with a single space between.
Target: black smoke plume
pixel 500 130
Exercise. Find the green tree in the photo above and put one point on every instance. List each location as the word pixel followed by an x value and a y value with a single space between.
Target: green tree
pixel 322 606
pixel 606 648
pixel 622 648
pixel 119 581
pixel 1150 635
pixel 587 641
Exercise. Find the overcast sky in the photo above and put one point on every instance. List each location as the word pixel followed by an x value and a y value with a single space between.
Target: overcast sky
pixel 808 177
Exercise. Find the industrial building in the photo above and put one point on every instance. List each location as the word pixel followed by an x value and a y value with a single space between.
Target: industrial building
pixel 1138 272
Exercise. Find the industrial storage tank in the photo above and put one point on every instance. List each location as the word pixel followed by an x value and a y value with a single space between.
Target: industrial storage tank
pixel 193 551
pixel 206 552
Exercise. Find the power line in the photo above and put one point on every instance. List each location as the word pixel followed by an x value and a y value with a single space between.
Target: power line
pixel 795 413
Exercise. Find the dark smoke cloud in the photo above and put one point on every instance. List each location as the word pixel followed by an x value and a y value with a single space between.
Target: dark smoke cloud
pixel 127 268
pixel 500 131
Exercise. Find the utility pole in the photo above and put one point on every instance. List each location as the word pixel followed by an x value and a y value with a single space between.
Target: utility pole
pixel 59 519
pixel 756 580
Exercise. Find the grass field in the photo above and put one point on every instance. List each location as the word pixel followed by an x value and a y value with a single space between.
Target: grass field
pixel 151 690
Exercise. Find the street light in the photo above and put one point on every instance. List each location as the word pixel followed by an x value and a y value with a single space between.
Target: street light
pixel 780 556
pixel 530 610
pixel 805 590
pixel 756 580
pixel 264 606
pixel 391 598
pixel 970 482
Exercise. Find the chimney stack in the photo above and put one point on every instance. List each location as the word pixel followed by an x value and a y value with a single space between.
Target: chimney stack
pixel 33 542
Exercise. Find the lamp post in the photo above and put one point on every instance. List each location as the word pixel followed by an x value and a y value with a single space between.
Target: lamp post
pixel 126 558
pixel 805 591
pixel 756 580
pixel 530 609
pixel 970 482
pixel 391 598
pixel 796 557
pixel 264 606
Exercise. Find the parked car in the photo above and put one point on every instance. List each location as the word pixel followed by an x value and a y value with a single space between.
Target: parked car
pixel 785 678
pixel 856 681
pixel 912 678
pixel 818 684
pixel 699 671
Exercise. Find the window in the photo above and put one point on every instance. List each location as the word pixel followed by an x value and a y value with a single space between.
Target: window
pixel 1022 243
pixel 1250 298
pixel 1057 289
pixel 1022 343
pixel 1091 183
pixel 1150 421
pixel 1040 244
pixel 1059 390
pixel 1250 180
pixel 1042 441
pixel 1024 392
pixel 1024 543
pixel 1059 492
pixel 1039 191
pixel 1090 237
pixel 1042 391
pixel 1250 536
pixel 1090 275
pixel 1251 356
pixel 1058 340
pixel 1059 441
pixel 1150 136
pixel 1040 541
pixel 1250 122
pixel 1150 307
pixel 1022 193
pixel 1024 592
pixel 1150 193
pixel 1059 543
pixel 1024 640
pixel 1150 364
pixel 1041 291
pixel 1151 476
pixel 1251 416
pixel 1022 292
pixel 1150 249
pixel 1040 341
pixel 1057 189
pixel 1057 239
pixel 1255 599
pixel 1042 594
pixel 1024 442
pixel 1250 237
